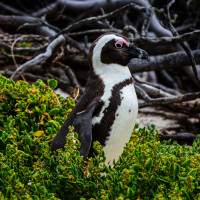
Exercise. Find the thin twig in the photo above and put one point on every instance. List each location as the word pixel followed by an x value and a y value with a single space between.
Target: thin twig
pixel 12 53
pixel 12 10
pixel 169 100
pixel 143 94
pixel 167 40
pixel 44 10
pixel 94 31
pixel 157 89
pixel 71 76
pixel 76 44
pixel 147 20
pixel 32 38
pixel 152 91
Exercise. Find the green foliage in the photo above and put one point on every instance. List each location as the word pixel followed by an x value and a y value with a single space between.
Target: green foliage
pixel 30 116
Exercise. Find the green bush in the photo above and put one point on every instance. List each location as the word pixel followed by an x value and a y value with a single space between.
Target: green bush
pixel 30 116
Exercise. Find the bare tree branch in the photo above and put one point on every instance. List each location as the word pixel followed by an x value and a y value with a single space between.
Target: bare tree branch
pixel 169 61
pixel 40 59
pixel 147 20
pixel 76 44
pixel 23 49
pixel 82 6
pixel 185 137
pixel 33 77
pixel 167 40
pixel 12 10
pixel 93 31
pixel 50 8
pixel 70 75
pixel 101 18
pixel 17 21
pixel 169 100
pixel 185 46
pixel 156 89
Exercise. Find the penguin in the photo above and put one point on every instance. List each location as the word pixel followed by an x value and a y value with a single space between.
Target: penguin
pixel 108 109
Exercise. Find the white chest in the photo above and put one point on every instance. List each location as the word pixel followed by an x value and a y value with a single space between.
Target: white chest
pixel 123 125
pixel 126 113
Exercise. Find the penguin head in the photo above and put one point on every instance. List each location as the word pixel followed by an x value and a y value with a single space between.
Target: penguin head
pixel 113 49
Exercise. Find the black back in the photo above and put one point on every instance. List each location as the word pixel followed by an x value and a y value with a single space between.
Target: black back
pixel 93 92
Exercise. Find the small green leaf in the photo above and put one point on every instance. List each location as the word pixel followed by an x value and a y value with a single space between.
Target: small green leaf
pixel 178 153
pixel 40 83
pixel 130 192
pixel 136 126
pixel 163 180
pixel 186 163
pixel 54 123
pixel 172 166
pixel 43 108
pixel 38 133
pixel 148 164
pixel 192 172
pixel 177 170
pixel 52 84
pixel 121 186
pixel 11 123
pixel 25 44
pixel 136 167
pixel 53 111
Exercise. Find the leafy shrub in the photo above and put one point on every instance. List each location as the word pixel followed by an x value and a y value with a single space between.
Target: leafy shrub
pixel 30 116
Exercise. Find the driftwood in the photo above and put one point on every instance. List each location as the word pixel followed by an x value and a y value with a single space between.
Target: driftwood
pixel 52 41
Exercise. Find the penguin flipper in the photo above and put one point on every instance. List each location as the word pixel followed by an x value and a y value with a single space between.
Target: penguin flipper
pixel 83 126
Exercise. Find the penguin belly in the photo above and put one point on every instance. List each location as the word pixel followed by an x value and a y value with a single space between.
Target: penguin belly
pixel 123 124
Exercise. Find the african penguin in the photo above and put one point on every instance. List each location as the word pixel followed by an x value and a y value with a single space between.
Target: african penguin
pixel 108 109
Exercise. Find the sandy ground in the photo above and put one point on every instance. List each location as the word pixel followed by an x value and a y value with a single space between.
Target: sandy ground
pixel 146 118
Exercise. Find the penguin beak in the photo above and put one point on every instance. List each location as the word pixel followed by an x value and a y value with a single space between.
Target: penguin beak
pixel 135 52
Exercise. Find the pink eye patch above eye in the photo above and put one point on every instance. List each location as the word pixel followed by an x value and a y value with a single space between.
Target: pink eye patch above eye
pixel 121 42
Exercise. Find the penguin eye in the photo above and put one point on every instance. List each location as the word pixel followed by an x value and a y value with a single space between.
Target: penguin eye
pixel 119 44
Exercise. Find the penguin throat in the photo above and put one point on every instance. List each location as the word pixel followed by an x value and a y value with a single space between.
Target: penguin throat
pixel 113 73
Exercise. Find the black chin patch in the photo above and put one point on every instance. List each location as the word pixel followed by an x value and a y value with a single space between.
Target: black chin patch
pixel 111 55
